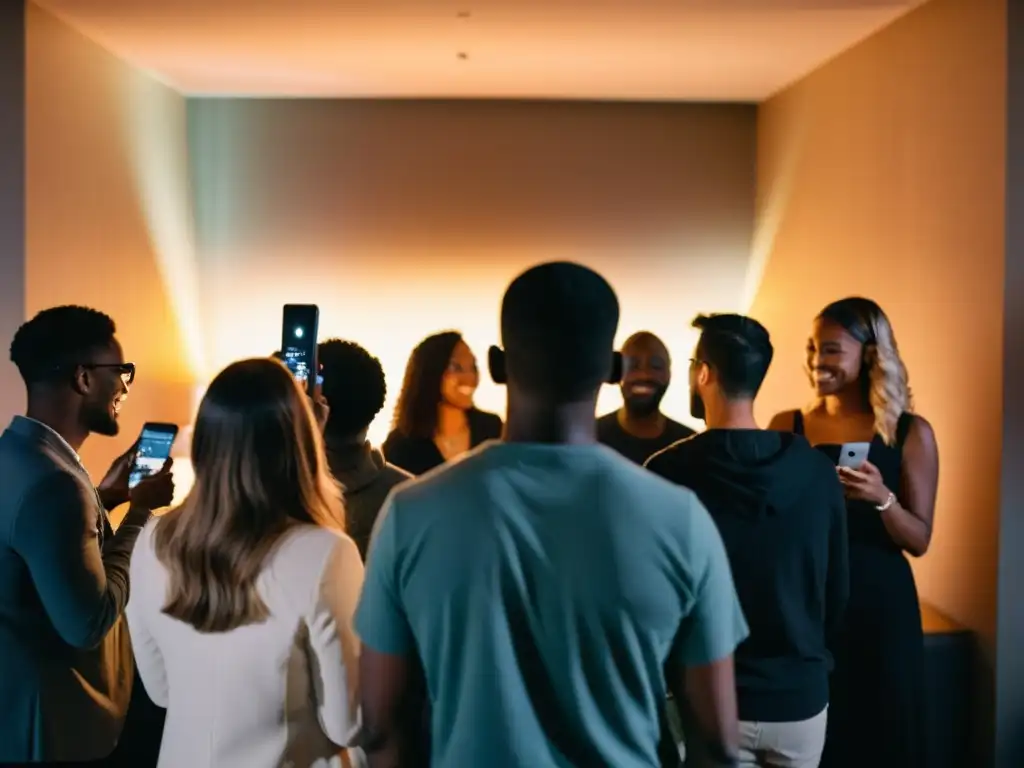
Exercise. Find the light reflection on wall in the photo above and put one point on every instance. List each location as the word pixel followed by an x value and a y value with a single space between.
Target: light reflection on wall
pixel 403 219
pixel 248 324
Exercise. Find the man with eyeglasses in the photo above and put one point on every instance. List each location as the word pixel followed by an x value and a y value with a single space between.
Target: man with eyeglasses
pixel 65 660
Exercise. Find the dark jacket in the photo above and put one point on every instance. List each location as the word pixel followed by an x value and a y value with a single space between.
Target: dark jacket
pixel 65 660
pixel 366 479
pixel 779 506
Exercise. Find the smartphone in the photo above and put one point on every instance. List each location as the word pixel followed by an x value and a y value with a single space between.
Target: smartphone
pixel 299 341
pixel 153 451
pixel 852 455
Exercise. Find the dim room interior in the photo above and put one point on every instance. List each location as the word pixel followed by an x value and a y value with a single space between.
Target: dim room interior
pixel 188 167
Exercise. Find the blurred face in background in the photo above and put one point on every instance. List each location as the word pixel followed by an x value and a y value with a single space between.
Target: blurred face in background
pixel 461 378
pixel 646 374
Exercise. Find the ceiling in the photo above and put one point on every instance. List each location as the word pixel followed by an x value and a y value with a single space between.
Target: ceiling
pixel 654 50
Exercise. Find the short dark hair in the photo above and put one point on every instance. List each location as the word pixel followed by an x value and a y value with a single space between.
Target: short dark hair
pixel 558 324
pixel 353 385
pixel 57 338
pixel 416 411
pixel 738 348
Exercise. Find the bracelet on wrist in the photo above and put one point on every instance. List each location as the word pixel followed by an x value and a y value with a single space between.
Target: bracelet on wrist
pixel 887 504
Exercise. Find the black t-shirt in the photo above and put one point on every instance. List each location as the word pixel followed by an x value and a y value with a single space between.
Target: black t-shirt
pixel 638 449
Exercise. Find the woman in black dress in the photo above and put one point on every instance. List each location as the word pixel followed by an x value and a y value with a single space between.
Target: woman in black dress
pixel 435 419
pixel 876 707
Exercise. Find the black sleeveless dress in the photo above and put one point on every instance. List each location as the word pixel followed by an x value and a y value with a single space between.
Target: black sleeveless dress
pixel 876 707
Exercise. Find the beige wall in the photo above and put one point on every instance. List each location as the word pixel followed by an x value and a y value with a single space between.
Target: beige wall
pixel 96 221
pixel 403 218
pixel 883 174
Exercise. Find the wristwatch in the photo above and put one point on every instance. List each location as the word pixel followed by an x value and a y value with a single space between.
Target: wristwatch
pixel 889 501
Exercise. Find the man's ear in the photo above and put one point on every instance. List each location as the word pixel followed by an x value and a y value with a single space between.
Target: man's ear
pixel 615 375
pixel 703 374
pixel 496 364
pixel 81 381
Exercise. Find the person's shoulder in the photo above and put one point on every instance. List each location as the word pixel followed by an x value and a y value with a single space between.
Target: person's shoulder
pixel 310 548
pixel 144 558
pixel 391 475
pixel 817 467
pixel 678 430
pixel 395 437
pixel 674 456
pixel 784 421
pixel 608 427
pixel 488 424
pixel 919 428
pixel 442 479
pixel 650 490
pixel 31 466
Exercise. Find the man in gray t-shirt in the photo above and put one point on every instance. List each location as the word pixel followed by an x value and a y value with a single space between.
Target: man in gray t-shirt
pixel 546 584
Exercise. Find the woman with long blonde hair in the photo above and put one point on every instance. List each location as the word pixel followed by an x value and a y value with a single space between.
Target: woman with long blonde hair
pixel 862 396
pixel 241 608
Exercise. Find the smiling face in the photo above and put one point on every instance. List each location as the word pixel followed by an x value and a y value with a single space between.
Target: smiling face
pixel 104 381
pixel 646 374
pixel 834 358
pixel 461 379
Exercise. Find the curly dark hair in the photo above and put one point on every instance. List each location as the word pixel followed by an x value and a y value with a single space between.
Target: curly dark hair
pixel 416 412
pixel 353 385
pixel 59 337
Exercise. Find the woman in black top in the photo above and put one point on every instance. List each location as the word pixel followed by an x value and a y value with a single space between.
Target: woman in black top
pixel 435 419
pixel 877 689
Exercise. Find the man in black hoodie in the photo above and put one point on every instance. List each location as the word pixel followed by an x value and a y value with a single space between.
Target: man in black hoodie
pixel 779 507
pixel 354 387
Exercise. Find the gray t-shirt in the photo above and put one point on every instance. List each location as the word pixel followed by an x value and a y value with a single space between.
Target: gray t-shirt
pixel 544 588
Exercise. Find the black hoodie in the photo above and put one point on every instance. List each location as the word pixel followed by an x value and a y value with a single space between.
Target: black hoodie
pixel 780 510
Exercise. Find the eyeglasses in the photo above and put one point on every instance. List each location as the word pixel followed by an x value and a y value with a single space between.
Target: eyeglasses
pixel 125 370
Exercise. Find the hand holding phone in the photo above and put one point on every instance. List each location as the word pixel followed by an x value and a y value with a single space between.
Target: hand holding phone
pixel 153 451
pixel 853 455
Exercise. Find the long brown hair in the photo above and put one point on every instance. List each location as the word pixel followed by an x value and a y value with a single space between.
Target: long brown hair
pixel 416 411
pixel 259 466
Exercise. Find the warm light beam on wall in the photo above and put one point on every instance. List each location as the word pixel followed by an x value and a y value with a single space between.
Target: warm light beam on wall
pixel 774 194
pixel 159 149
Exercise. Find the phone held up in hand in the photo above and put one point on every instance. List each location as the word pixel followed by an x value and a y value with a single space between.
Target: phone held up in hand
pixel 299 328
pixel 154 449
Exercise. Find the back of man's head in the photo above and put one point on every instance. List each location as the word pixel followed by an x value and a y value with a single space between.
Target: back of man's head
pixel 58 338
pixel 558 324
pixel 738 349
pixel 353 386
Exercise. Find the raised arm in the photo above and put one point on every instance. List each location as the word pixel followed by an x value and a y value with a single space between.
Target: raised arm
pixel 782 422
pixel 83 590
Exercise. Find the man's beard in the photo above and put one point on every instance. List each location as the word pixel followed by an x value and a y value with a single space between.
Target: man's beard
pixel 100 421
pixel 642 406
pixel 697 405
